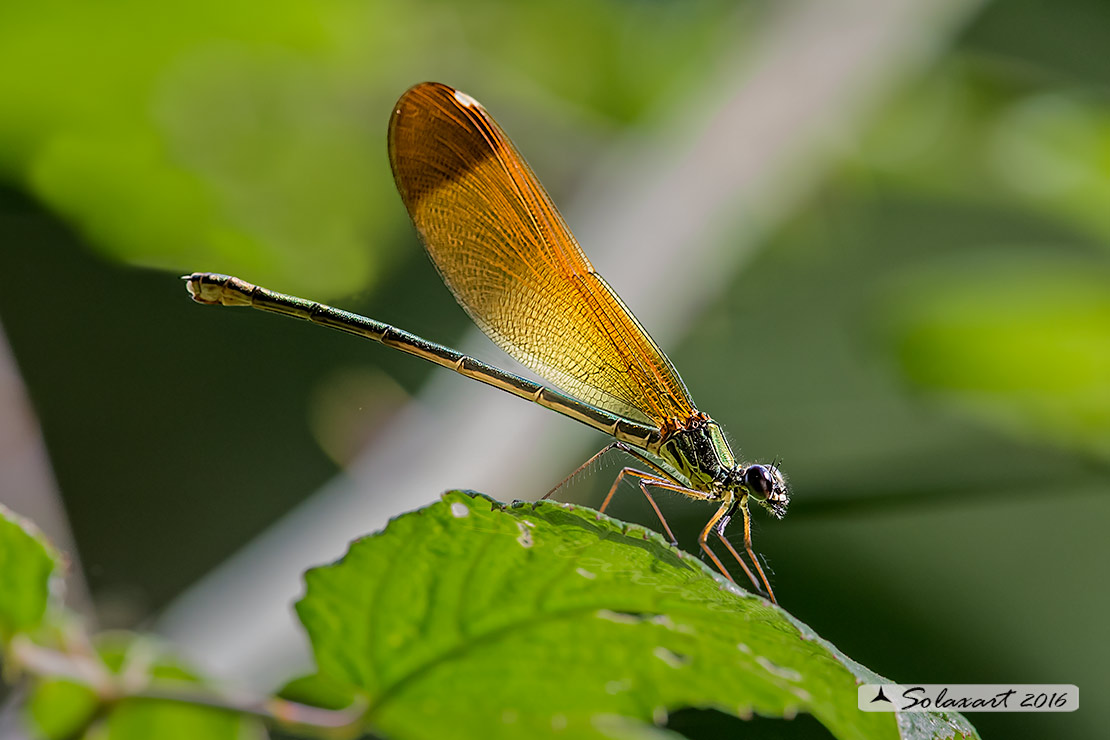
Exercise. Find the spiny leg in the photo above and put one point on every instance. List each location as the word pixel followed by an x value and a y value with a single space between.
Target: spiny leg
pixel 608 448
pixel 751 553
pixel 736 555
pixel 645 481
pixel 667 481
pixel 703 540
pixel 580 468
pixel 722 524
pixel 664 475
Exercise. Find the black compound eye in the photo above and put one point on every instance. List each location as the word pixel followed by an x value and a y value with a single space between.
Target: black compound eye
pixel 758 480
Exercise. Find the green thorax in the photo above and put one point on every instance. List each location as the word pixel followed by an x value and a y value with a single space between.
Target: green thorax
pixel 701 453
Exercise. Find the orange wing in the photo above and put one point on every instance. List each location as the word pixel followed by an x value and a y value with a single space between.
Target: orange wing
pixel 504 251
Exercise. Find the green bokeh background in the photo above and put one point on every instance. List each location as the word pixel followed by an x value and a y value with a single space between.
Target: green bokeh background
pixel 925 341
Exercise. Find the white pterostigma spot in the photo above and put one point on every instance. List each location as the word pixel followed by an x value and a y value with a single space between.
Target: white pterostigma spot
pixel 465 100
pixel 459 510
pixel 585 573
pixel 744 648
pixel 618 617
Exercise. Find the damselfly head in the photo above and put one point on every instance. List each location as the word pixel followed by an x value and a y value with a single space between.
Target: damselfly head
pixel 767 486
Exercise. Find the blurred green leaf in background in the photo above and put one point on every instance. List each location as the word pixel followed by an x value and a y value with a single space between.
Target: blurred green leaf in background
pixel 240 137
pixel 28 566
pixel 1031 340
pixel 64 675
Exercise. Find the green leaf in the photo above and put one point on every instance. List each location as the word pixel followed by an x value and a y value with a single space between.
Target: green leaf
pixel 67 709
pixel 995 311
pixel 27 561
pixel 58 708
pixel 250 137
pixel 144 718
pixel 466 619
pixel 318 691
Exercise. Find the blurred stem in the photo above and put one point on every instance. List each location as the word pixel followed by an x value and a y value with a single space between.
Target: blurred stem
pixel 128 685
